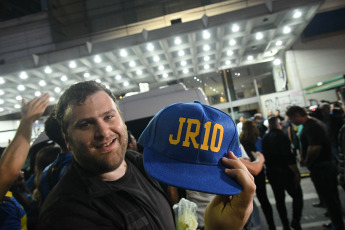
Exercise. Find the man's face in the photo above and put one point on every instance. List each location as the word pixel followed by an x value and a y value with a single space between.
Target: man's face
pixel 96 135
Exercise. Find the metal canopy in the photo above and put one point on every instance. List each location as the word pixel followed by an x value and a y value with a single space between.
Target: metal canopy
pixel 238 38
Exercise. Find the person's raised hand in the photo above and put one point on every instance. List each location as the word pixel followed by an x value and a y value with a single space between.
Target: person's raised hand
pixel 35 108
pixel 232 212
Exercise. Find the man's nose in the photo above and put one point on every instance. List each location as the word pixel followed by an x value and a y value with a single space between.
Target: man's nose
pixel 101 130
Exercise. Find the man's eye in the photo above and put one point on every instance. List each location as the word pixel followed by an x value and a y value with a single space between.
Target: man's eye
pixel 84 125
pixel 109 117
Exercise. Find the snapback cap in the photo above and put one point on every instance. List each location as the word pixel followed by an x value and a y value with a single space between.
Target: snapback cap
pixel 184 143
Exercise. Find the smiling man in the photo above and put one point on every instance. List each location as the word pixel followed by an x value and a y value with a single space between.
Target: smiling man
pixel 106 186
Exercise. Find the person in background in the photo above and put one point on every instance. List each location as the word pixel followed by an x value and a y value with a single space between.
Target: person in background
pixel 316 155
pixel 248 139
pixel 53 172
pixel 107 187
pixel 44 157
pixel 239 124
pixel 132 142
pixel 282 173
pixel 260 124
pixel 12 161
pixel 277 114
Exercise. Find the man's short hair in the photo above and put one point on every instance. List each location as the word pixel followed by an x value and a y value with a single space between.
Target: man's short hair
pixel 75 95
pixel 294 110
pixel 273 122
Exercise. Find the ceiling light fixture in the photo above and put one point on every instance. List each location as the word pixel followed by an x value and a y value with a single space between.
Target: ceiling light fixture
pixel 250 57
pixel 109 68
pixel 277 61
pixel 150 47
pixel 118 77
pixel 2 80
pixel 183 63
pixel 156 58
pixel 2 101
pixel 206 34
pixel 38 93
pixel 86 75
pixel 185 71
pixel 132 64
pixel 21 87
pixel 235 28
pixel 42 83
pixel 206 48
pixel 228 62
pixel 206 58
pixel 286 30
pixel 23 75
pixel 232 42
pixel 57 89
pixel 161 67
pixel 126 83
pixel 230 53
pixel 48 70
pixel 181 53
pixel 139 72
pixel 123 53
pixel 297 14
pixel 206 66
pixel 19 98
pixel 165 75
pixel 64 78
pixel 178 41
pixel 97 59
pixel 279 43
pixel 72 64
pixel 259 36
pixel 2 92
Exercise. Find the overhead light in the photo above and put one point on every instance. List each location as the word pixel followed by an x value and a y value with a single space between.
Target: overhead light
pixel 51 99
pixel 161 67
pixel 2 80
pixel 165 75
pixel 180 53
pixel 64 78
pixel 139 72
pixel 297 14
pixel 279 43
pixel 97 59
pixel 72 64
pixel 206 66
pixel 250 57
pixel 123 53
pixel 319 83
pixel 98 80
pixel 206 34
pixel 2 92
pixel 42 83
pixel 235 28
pixel 156 58
pixel 1 109
pixel 185 71
pixel 86 75
pixel 126 83
pixel 228 62
pixel 206 47
pixel 21 87
pixel 183 63
pixel 118 77
pixel 206 58
pixel 57 89
pixel 277 61
pixel 131 63
pixel 150 47
pixel 177 41
pixel 259 36
pixel 232 42
pixel 48 70
pixel 17 106
pixel 19 98
pixel 286 30
pixel 38 93
pixel 23 75
pixel 230 53
pixel 2 101
pixel 109 68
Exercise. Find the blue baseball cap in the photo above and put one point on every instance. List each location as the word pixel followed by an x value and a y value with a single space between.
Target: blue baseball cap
pixel 184 143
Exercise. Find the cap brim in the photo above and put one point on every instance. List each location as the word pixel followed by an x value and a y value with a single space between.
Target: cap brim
pixel 197 177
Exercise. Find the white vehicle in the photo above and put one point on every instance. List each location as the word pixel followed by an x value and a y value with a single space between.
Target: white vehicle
pixel 137 110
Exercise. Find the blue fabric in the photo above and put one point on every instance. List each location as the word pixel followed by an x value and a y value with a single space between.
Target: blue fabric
pixel 12 215
pixel 60 165
pixel 183 146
